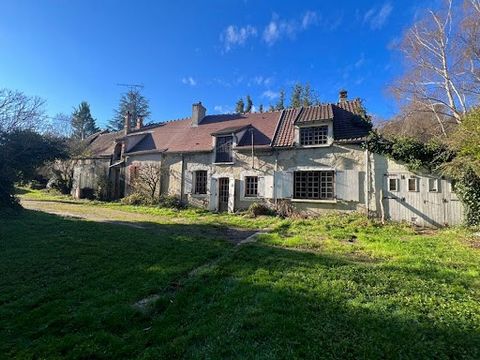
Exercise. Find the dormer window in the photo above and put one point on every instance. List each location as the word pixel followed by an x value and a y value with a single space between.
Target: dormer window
pixel 314 135
pixel 223 149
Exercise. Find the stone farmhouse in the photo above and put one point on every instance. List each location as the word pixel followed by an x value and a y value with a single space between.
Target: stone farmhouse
pixel 310 157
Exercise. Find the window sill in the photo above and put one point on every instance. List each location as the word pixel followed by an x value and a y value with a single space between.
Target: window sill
pixel 224 163
pixel 314 146
pixel 198 195
pixel 250 198
pixel 315 201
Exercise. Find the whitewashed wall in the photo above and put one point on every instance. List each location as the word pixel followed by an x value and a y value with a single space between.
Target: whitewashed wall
pixel 423 207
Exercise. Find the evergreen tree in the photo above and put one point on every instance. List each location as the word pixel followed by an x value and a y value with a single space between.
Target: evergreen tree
pixel 307 96
pixel 83 124
pixel 281 101
pixel 260 108
pixel 132 101
pixel 240 106
pixel 271 108
pixel 296 97
pixel 249 106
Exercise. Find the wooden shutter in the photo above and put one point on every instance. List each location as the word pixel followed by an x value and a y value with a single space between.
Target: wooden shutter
pixel 213 194
pixel 188 182
pixel 265 186
pixel 347 185
pixel 231 194
pixel 261 187
pixel 284 184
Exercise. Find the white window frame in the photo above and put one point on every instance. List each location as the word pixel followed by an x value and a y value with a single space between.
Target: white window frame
pixel 436 183
pixel 416 182
pixel 234 144
pixel 311 125
pixel 397 184
pixel 194 183
pixel 245 187
pixel 334 193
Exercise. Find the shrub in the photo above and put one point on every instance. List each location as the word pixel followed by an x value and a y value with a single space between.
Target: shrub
pixel 104 188
pixel 136 198
pixel 284 209
pixel 258 209
pixel 172 202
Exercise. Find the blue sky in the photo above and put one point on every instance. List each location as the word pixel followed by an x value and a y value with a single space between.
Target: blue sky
pixel 213 51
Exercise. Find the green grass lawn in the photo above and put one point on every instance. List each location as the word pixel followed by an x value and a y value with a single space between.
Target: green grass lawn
pixel 337 287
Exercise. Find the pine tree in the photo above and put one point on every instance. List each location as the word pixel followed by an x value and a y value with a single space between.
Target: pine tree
pixel 249 106
pixel 240 106
pixel 260 108
pixel 281 101
pixel 296 97
pixel 83 124
pixel 307 96
pixel 132 101
pixel 271 108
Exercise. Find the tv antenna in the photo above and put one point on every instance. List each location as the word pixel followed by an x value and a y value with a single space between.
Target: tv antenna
pixel 132 86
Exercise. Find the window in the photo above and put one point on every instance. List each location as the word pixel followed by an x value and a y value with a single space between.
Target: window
pixel 393 184
pixel 413 184
pixel 433 185
pixel 223 149
pixel 251 186
pixel 200 182
pixel 317 135
pixel 453 185
pixel 117 152
pixel 313 185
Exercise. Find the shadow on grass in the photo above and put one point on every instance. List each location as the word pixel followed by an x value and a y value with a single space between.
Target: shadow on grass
pixel 68 287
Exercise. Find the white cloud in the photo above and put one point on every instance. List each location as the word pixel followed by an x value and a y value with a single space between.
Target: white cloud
pixel 376 18
pixel 269 94
pixel 223 109
pixel 310 18
pixel 237 36
pixel 360 61
pixel 278 28
pixel 189 81
pixel 262 80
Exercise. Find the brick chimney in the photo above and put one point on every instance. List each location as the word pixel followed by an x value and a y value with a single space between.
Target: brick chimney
pixel 127 122
pixel 139 122
pixel 343 96
pixel 198 113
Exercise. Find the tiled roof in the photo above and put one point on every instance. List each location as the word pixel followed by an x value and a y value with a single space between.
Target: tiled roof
pixel 274 128
pixel 284 135
pixel 312 113
pixel 102 143
pixel 347 122
pixel 180 136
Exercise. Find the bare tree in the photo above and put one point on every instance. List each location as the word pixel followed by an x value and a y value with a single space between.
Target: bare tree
pixel 60 125
pixel 439 77
pixel 147 179
pixel 19 111
pixel 470 36
pixel 415 122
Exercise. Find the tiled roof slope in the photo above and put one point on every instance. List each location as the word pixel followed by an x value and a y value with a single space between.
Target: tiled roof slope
pixel 312 113
pixel 180 136
pixel 347 122
pixel 103 143
pixel 274 128
pixel 284 135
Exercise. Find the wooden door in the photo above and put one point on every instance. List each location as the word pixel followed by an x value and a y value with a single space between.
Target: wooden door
pixel 223 194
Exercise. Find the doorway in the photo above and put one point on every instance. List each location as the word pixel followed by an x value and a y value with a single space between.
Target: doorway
pixel 223 194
